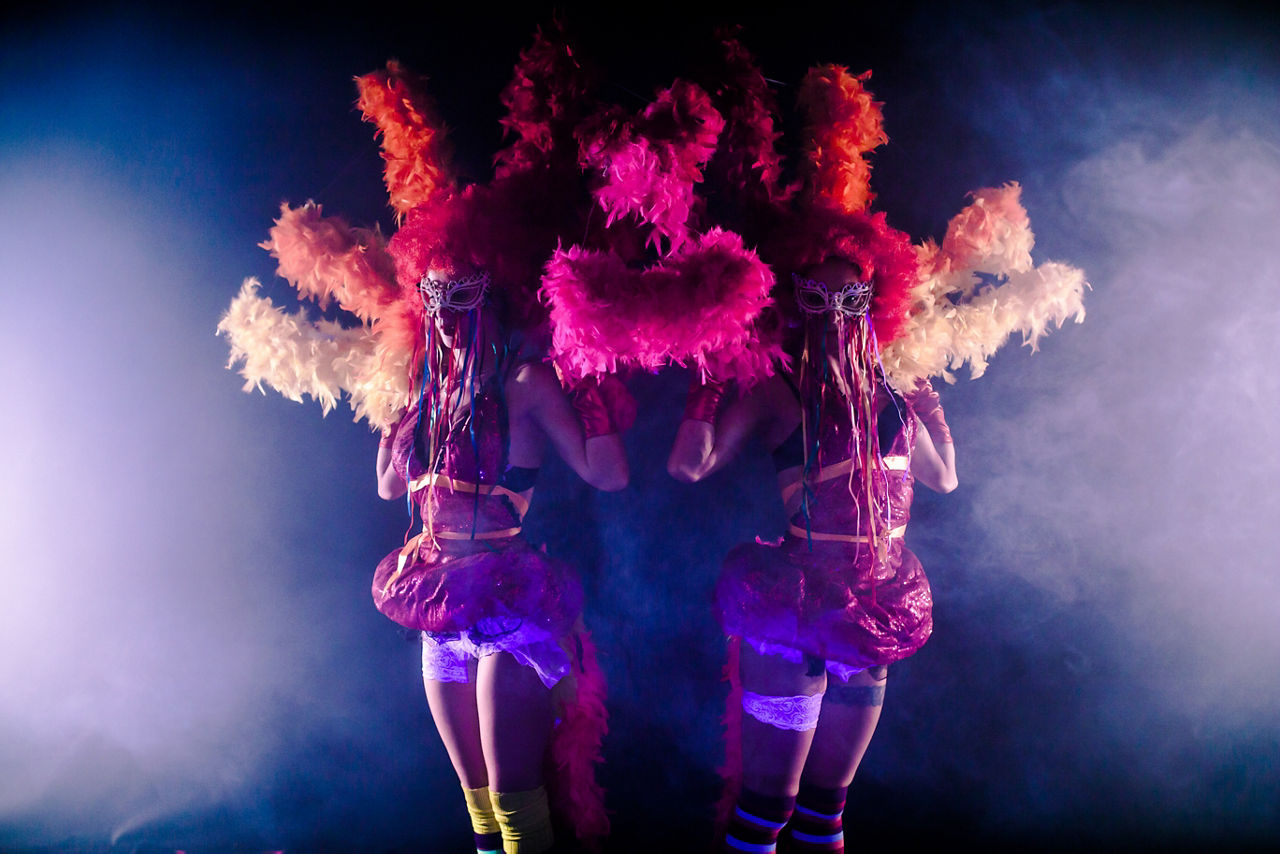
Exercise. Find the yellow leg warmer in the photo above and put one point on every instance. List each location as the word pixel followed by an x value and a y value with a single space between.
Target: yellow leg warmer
pixel 525 820
pixel 481 810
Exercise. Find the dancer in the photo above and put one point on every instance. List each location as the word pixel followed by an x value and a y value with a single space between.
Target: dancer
pixel 500 620
pixel 852 422
pixel 439 351
pixel 824 611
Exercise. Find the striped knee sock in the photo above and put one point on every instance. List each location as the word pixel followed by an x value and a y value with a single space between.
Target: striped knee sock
pixel 483 822
pixel 817 824
pixel 756 821
pixel 525 820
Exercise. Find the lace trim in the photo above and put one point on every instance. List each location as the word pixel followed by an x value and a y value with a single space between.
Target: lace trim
pixel 798 714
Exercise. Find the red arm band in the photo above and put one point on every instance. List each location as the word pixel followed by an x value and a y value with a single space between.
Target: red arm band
pixel 703 401
pixel 928 406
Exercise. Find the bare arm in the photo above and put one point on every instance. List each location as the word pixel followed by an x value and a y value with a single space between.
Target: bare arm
pixel 538 401
pixel 390 484
pixel 702 448
pixel 933 464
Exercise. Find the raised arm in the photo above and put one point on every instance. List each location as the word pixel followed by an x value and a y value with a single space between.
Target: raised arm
pixel 540 402
pixel 390 484
pixel 933 462
pixel 706 443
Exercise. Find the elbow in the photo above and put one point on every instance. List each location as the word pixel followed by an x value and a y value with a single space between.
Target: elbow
pixel 390 489
pixel 948 483
pixel 683 473
pixel 689 468
pixel 611 481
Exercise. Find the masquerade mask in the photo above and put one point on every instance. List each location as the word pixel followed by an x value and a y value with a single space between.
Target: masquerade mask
pixel 813 297
pixel 454 294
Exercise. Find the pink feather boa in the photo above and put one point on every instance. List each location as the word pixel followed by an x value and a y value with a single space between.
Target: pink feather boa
pixel 651 162
pixel 747 165
pixel 731 770
pixel 694 308
pixel 544 99
pixel 575 749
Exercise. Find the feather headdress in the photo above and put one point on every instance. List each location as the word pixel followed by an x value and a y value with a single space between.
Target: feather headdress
pixel 695 305
pixel 979 288
pixel 844 123
pixel 374 281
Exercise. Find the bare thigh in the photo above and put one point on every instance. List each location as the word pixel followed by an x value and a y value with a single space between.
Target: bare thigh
pixel 772 758
pixel 850 712
pixel 515 717
pixel 454 710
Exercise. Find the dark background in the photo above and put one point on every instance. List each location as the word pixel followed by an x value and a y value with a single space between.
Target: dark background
pixel 188 655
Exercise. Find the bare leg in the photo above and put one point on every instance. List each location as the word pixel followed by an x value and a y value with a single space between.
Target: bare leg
pixel 772 758
pixel 515 722
pixel 453 708
pixel 849 716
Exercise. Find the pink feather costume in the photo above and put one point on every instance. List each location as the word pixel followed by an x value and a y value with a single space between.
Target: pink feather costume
pixel 839 601
pixel 469 581
pixel 488 592
pixel 493 586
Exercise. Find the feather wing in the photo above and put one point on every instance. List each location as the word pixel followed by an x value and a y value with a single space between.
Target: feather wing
pixel 322 360
pixel 978 289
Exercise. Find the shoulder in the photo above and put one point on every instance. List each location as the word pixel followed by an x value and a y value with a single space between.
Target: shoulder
pixel 769 409
pixel 534 374
pixel 531 384
pixel 774 399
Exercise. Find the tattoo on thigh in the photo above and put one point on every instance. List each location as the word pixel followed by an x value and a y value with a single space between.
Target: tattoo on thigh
pixel 855 695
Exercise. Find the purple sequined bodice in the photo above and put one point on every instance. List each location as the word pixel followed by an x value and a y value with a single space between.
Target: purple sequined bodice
pixel 470 567
pixel 474 453
pixel 838 494
pixel 824 590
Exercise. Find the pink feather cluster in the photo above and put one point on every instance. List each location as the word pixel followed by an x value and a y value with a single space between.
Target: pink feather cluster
pixel 992 233
pixel 883 254
pixel 325 258
pixel 695 307
pixel 543 99
pixel 652 162
pixel 844 123
pixel 747 160
pixel 413 140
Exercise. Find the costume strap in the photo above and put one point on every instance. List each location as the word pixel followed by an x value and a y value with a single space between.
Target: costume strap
pixel 518 501
pixel 891 463
pixel 797 531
